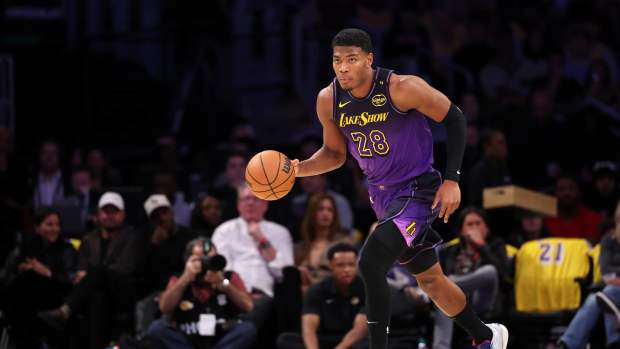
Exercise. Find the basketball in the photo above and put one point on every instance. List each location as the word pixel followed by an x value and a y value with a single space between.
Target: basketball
pixel 269 175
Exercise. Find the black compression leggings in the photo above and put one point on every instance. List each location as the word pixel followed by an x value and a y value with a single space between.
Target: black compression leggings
pixel 379 253
pixel 381 250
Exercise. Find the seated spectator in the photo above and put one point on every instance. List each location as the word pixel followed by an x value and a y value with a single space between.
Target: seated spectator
pixel 605 192
pixel 580 328
pixel 50 186
pixel 333 311
pixel 226 184
pixel 207 216
pixel 83 196
pixel 492 170
pixel 476 264
pixel 203 307
pixel 320 229
pixel 259 251
pixel 164 256
pixel 105 283
pixel 574 220
pixel 530 227
pixel 317 185
pixel 255 248
pixel 43 262
pixel 165 182
pixel 103 174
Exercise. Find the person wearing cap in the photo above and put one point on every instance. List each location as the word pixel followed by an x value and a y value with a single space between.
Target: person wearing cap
pixel 203 308
pixel 604 192
pixel 105 283
pixel 167 242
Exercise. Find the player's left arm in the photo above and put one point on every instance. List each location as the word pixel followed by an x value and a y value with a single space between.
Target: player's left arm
pixel 411 92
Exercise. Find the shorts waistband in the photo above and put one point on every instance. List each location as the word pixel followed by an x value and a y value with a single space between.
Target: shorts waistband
pixel 398 185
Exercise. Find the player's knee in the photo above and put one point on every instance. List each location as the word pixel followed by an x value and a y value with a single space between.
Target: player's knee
pixel 371 264
pixel 431 284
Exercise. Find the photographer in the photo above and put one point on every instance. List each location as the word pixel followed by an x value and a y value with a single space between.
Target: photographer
pixel 203 305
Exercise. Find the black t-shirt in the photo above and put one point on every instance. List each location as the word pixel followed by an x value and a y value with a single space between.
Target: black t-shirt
pixel 336 311
pixel 104 250
pixel 166 258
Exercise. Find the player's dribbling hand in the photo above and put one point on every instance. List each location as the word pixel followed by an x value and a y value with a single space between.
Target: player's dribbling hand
pixel 449 195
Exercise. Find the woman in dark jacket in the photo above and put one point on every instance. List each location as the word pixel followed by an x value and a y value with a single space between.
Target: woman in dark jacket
pixel 476 264
pixel 37 276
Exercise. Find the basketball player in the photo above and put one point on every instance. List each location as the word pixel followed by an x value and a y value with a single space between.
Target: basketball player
pixel 380 117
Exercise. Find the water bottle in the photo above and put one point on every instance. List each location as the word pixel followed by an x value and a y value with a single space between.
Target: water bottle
pixel 422 344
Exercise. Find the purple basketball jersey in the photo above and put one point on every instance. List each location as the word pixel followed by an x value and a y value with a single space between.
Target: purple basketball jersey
pixel 391 146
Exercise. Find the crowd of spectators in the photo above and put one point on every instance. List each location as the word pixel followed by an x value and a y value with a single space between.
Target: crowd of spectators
pixel 171 250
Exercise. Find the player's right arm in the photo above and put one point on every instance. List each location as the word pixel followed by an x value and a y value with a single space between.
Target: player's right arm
pixel 333 153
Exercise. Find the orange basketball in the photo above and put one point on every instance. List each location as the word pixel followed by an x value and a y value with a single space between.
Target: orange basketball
pixel 269 175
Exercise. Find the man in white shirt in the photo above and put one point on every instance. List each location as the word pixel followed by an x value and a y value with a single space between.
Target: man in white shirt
pixel 255 248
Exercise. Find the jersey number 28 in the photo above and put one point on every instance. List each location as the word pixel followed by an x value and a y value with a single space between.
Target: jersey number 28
pixel 377 139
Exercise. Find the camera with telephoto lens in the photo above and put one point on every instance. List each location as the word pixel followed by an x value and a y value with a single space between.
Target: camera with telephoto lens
pixel 213 263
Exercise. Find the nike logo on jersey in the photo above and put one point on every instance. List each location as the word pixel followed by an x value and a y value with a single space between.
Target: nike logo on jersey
pixel 341 104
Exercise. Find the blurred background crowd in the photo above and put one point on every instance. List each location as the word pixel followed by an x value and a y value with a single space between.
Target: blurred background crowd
pixel 126 126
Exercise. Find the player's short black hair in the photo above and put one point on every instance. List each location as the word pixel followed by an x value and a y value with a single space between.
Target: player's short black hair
pixel 340 247
pixel 353 37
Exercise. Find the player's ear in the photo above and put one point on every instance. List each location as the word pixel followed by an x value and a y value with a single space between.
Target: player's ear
pixel 369 59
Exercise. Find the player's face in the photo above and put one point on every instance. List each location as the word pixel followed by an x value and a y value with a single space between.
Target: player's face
pixel 344 267
pixel 351 65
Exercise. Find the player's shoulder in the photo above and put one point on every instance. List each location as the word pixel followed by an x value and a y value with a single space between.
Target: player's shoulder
pixel 324 103
pixel 326 95
pixel 402 83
